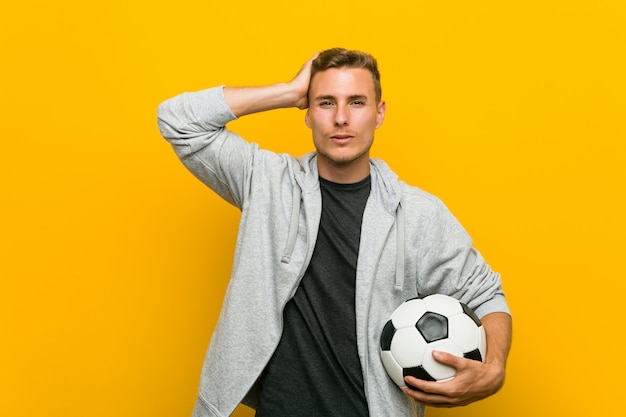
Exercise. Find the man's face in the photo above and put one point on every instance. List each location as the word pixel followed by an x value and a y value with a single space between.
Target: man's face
pixel 343 115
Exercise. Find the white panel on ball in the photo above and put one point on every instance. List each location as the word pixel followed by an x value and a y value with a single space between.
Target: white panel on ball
pixel 439 303
pixel 408 347
pixel 393 369
pixel 406 314
pixel 436 369
pixel 463 332
pixel 482 346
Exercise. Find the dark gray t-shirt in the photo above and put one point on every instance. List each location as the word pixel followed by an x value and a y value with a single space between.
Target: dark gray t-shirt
pixel 315 370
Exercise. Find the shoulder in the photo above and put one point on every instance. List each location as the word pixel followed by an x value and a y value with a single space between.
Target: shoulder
pixel 412 193
pixel 421 207
pixel 394 191
pixel 418 198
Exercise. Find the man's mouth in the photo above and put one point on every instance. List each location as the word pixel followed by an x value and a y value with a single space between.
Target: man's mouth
pixel 341 138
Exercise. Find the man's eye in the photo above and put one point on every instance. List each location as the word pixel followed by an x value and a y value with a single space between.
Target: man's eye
pixel 325 103
pixel 358 103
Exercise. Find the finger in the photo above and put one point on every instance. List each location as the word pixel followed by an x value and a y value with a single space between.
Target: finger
pixel 448 359
pixel 314 57
pixel 422 386
pixel 306 68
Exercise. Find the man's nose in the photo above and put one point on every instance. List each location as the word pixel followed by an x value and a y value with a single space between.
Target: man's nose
pixel 341 116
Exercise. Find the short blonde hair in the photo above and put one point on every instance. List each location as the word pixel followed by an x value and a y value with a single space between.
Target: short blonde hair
pixel 345 58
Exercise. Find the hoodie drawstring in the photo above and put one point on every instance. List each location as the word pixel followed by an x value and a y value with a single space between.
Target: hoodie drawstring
pixel 293 226
pixel 400 249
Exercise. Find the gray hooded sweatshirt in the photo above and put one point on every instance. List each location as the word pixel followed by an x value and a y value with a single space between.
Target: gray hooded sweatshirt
pixel 410 245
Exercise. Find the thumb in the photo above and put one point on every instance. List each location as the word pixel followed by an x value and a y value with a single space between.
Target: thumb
pixel 447 358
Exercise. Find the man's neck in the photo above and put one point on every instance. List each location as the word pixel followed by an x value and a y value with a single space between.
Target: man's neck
pixel 343 174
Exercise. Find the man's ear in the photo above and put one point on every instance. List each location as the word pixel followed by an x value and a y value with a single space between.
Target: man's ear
pixel 380 116
pixel 306 119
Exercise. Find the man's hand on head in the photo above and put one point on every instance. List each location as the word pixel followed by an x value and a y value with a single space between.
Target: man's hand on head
pixel 248 100
pixel 300 84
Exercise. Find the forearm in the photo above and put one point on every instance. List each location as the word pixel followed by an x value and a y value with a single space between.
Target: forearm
pixel 498 329
pixel 248 100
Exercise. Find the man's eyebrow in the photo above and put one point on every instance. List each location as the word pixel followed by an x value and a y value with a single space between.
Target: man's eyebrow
pixel 350 98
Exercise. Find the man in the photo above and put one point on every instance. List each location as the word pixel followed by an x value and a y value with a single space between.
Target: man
pixel 329 245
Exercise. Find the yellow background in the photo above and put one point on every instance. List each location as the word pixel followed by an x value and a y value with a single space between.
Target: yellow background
pixel 114 259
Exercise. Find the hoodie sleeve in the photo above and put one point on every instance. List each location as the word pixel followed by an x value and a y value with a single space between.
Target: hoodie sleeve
pixel 194 124
pixel 451 265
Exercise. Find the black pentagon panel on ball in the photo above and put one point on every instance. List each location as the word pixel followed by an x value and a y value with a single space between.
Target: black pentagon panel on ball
pixel 432 326
pixel 386 335
pixel 471 313
pixel 474 354
pixel 418 372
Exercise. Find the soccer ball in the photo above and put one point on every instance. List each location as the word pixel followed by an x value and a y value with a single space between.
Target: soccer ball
pixel 423 324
